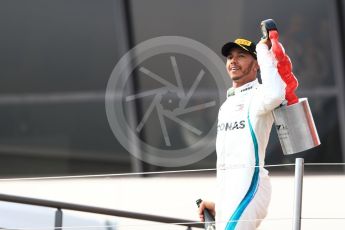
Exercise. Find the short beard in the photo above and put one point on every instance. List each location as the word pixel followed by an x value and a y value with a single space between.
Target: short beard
pixel 236 78
pixel 245 73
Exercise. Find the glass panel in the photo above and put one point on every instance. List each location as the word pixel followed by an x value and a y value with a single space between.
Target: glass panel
pixel 57 58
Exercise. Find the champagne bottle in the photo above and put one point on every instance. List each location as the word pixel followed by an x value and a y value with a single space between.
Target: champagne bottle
pixel 208 218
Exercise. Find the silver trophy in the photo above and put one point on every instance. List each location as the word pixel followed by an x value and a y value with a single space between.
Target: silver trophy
pixel 293 120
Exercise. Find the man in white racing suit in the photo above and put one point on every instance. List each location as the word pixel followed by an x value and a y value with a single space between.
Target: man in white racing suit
pixel 244 125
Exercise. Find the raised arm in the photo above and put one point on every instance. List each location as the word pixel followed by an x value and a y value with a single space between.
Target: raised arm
pixel 272 91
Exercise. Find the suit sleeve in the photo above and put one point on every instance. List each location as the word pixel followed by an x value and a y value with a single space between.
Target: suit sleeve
pixel 271 92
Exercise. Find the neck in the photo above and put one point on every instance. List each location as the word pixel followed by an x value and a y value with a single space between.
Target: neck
pixel 239 84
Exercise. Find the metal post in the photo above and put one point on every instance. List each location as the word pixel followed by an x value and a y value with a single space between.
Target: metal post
pixel 58 219
pixel 189 228
pixel 299 171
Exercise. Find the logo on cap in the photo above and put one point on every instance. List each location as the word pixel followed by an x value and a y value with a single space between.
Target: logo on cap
pixel 241 41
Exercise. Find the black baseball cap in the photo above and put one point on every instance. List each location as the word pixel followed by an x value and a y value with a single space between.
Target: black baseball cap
pixel 242 43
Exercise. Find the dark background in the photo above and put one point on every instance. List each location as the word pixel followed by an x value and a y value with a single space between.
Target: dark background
pixel 57 56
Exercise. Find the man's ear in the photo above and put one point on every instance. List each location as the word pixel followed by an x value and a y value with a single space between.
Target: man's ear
pixel 256 67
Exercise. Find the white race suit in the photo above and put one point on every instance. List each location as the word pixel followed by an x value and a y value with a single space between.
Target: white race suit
pixel 244 124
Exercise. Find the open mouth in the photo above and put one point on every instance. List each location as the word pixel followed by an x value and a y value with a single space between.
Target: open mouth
pixel 234 68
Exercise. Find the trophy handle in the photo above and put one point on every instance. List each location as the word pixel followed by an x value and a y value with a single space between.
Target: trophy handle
pixel 269 31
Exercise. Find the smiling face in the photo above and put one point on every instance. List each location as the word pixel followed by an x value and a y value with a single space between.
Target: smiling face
pixel 241 67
